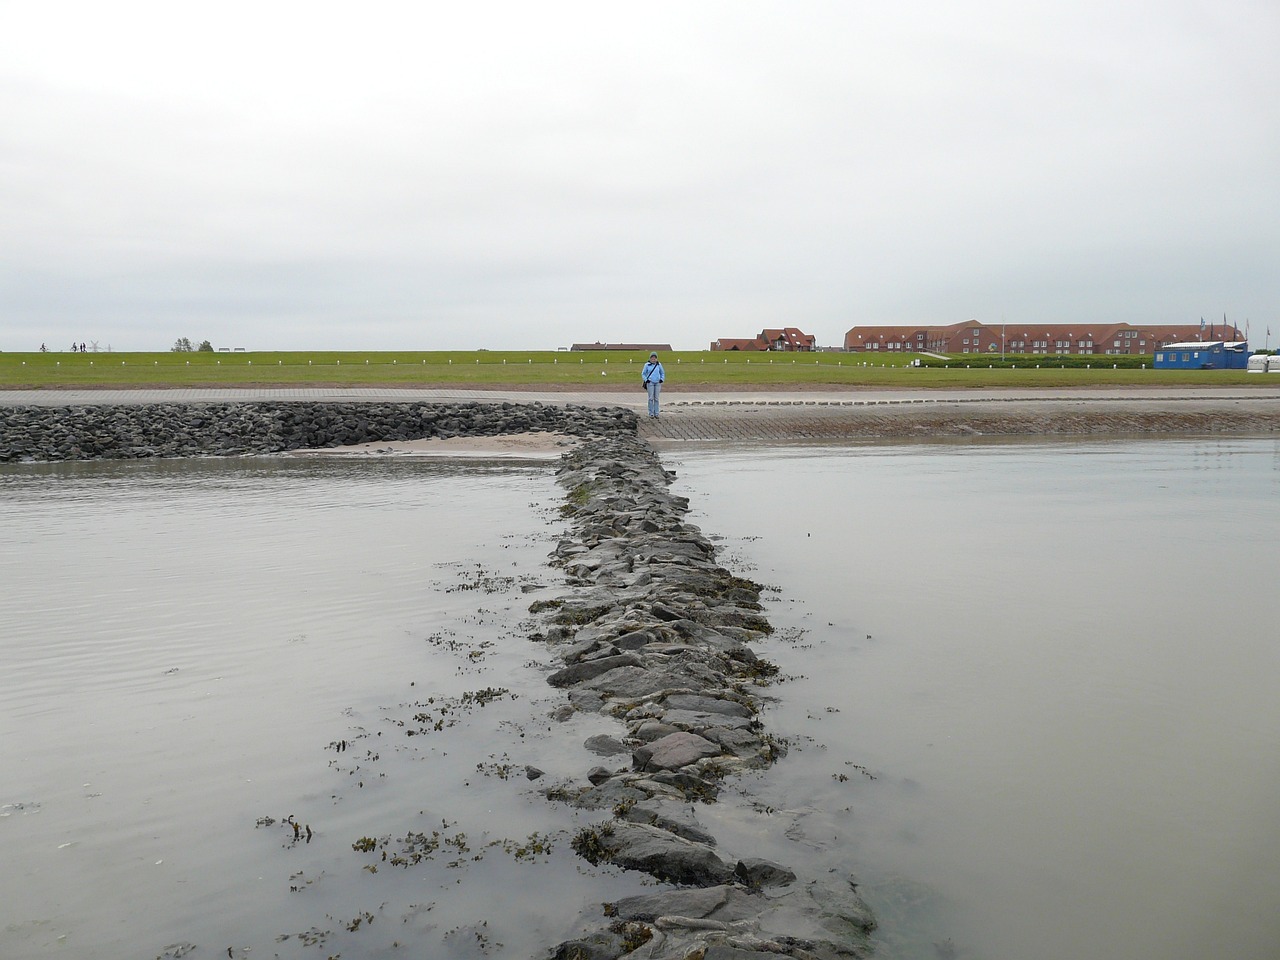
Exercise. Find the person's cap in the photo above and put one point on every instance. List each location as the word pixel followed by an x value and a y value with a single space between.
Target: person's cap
pixel 653 356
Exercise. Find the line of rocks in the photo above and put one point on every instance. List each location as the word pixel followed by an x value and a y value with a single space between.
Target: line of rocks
pixel 656 634
pixel 134 431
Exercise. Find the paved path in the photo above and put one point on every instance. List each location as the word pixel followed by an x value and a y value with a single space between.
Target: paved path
pixel 672 399
pixel 775 415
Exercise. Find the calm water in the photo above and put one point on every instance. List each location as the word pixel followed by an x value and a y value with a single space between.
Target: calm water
pixel 1059 664
pixel 1030 692
pixel 194 648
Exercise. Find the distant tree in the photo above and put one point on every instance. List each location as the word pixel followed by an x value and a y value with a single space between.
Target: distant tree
pixel 182 345
pixel 205 347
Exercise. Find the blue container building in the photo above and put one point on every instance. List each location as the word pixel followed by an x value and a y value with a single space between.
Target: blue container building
pixel 1203 355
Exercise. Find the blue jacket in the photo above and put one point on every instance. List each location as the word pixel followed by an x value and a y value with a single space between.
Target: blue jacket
pixel 652 372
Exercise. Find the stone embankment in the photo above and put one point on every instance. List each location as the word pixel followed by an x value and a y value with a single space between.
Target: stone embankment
pixel 134 431
pixel 657 634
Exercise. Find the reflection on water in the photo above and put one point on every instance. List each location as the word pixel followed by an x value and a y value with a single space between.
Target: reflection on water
pixel 1032 694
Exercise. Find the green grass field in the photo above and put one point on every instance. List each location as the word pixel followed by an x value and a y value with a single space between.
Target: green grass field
pixel 549 369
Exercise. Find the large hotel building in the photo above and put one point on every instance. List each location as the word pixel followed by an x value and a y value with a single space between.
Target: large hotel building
pixel 1034 338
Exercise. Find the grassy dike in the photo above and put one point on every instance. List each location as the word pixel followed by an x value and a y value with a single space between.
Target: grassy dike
pixel 589 370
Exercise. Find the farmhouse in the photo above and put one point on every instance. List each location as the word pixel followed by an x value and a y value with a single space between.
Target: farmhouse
pixel 1110 339
pixel 784 339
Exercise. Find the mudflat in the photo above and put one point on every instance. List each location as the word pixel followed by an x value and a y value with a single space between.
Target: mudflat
pixel 512 446
pixel 899 416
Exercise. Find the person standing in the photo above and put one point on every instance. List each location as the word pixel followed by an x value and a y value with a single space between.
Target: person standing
pixel 652 377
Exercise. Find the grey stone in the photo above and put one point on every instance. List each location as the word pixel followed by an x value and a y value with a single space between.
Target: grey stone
pixel 664 612
pixel 676 817
pixel 689 784
pixel 586 670
pixel 700 903
pixel 605 796
pixel 635 683
pixel 700 704
pixel 587 701
pixel 604 945
pixel 745 744
pixel 603 745
pixel 674 751
pixel 636 639
pixel 698 721
pixel 755 873
pixel 650 730
pixel 661 854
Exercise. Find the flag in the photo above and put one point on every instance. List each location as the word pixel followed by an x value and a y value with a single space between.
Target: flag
pixel 1202 324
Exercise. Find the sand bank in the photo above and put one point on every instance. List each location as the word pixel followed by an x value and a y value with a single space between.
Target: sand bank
pixel 511 446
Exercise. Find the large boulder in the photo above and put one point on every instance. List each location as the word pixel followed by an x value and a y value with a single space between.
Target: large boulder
pixel 674 751
pixel 637 846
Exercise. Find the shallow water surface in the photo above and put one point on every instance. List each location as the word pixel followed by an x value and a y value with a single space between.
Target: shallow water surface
pixel 1029 693
pixel 1030 688
pixel 198 655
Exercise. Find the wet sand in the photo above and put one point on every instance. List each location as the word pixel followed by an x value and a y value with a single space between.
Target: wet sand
pixel 923 417
pixel 512 446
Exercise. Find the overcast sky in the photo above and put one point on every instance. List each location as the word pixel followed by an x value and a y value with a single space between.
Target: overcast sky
pixel 279 175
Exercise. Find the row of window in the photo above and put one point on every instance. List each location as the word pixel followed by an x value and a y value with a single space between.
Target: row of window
pixel 1014 346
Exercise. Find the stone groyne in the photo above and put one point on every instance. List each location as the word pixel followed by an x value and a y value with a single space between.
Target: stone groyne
pixel 656 634
pixel 652 631
pixel 135 431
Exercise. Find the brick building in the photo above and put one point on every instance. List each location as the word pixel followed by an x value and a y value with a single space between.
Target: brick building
pixel 780 339
pixel 1108 339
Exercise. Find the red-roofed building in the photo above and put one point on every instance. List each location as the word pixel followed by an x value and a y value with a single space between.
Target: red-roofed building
pixel 1106 339
pixel 738 343
pixel 782 339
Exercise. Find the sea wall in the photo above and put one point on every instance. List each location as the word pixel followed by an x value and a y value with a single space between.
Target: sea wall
pixel 134 431
pixel 657 634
